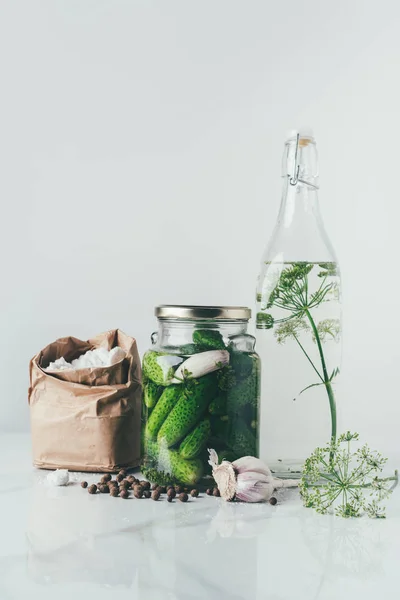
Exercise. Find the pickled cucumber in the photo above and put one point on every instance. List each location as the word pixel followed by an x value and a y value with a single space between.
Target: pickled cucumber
pixel 150 451
pixel 160 367
pixel 188 410
pixel 245 391
pixel 242 364
pixel 218 406
pixel 241 440
pixel 151 393
pixel 220 428
pixel 185 471
pixel 165 404
pixel 160 461
pixel 195 441
pixel 209 339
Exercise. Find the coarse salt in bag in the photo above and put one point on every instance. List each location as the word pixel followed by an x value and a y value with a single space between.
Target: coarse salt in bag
pixel 86 419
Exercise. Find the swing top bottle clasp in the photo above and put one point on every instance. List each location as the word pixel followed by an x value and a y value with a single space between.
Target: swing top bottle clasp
pixel 297 175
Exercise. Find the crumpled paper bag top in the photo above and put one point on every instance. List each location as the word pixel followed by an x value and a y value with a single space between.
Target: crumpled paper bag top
pixel 70 348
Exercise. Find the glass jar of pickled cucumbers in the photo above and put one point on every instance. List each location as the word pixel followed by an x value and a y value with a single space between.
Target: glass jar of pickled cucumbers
pixel 201 389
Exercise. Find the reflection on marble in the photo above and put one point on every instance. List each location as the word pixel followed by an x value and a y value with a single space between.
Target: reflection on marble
pixel 62 542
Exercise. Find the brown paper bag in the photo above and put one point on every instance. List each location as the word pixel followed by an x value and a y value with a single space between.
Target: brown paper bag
pixel 86 420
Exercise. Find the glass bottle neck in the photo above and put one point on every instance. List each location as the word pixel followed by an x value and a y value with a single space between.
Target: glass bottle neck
pixel 299 204
pixel 300 181
pixel 299 233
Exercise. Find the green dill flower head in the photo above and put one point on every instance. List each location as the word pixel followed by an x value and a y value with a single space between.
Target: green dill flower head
pixel 340 480
pixel 328 329
pixel 347 437
pixel 290 329
pixel 375 511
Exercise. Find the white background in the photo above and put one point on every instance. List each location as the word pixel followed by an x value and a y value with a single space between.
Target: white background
pixel 140 163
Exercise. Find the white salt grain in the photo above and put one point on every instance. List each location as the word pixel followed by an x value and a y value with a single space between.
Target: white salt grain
pixel 58 477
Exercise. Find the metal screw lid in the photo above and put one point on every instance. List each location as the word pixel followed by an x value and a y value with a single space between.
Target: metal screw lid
pixel 221 313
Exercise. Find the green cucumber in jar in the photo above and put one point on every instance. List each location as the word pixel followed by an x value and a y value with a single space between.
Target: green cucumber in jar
pixel 151 393
pixel 245 391
pixel 241 440
pixel 150 451
pixel 188 471
pixel 241 363
pixel 189 409
pixel 164 406
pixel 220 428
pixel 209 339
pixel 194 442
pixel 160 367
pixel 218 406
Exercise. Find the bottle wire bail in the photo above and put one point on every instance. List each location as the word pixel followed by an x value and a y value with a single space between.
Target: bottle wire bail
pixel 295 179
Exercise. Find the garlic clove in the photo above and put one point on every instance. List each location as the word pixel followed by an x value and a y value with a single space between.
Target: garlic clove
pixel 254 487
pixel 251 463
pixel 259 491
pixel 201 364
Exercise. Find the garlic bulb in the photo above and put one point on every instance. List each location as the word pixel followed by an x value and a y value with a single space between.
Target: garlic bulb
pixel 247 479
pixel 201 364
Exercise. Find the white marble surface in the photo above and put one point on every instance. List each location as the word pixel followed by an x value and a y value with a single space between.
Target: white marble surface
pixel 62 543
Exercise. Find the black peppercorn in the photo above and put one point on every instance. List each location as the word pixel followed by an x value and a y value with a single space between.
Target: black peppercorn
pixel 162 489
pixel 124 494
pixel 273 500
pixel 131 479
pixel 178 489
pixel 209 492
pixel 106 478
pixel 125 483
pixel 122 472
pixel 104 489
pixel 155 494
pixel 170 498
pixel 119 477
pixel 84 484
pixel 114 491
pixel 216 492
pixel 183 497
pixel 194 493
pixel 147 493
pixel 154 486
pixel 145 485
pixel 171 493
pixel 92 489
pixel 138 492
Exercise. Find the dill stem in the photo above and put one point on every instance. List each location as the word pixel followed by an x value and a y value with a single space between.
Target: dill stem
pixel 328 385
